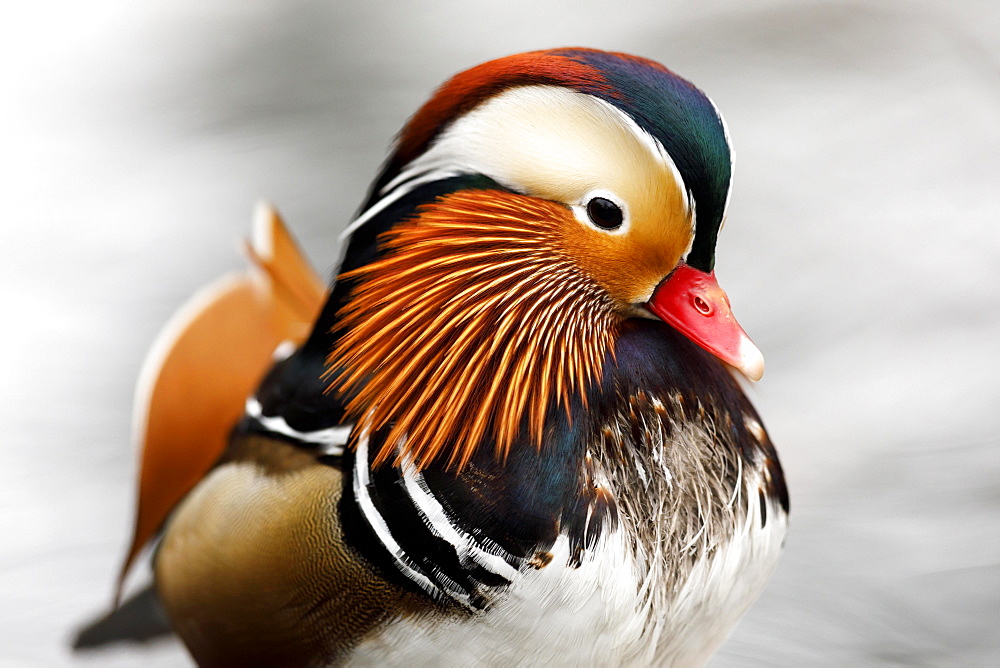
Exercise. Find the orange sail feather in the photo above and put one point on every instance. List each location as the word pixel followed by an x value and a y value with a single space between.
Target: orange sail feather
pixel 207 361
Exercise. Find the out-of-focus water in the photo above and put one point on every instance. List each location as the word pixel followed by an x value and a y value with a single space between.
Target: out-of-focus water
pixel 862 254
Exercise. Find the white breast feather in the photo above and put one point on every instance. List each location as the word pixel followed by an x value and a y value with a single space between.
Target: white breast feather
pixel 592 615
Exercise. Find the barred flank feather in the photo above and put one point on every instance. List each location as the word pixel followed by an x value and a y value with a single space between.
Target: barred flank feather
pixel 472 319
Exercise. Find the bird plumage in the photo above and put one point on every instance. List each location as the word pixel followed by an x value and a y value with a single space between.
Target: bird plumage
pixel 454 288
pixel 491 448
pixel 184 411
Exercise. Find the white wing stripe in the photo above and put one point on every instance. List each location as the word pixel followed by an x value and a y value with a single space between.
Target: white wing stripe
pixel 437 520
pixel 382 532
pixel 333 439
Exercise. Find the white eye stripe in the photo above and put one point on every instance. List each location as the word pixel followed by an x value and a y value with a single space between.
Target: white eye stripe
pixel 655 148
pixel 520 139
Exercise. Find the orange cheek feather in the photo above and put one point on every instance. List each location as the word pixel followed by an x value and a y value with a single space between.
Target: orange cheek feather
pixel 473 318
pixel 630 265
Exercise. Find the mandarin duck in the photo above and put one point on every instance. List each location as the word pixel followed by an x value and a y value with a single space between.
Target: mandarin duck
pixel 511 430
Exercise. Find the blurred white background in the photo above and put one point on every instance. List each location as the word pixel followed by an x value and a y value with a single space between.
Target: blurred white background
pixel 862 254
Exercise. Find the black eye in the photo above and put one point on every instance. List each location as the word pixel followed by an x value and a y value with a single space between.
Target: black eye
pixel 604 213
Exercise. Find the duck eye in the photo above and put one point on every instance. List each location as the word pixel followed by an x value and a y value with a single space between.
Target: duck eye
pixel 604 213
